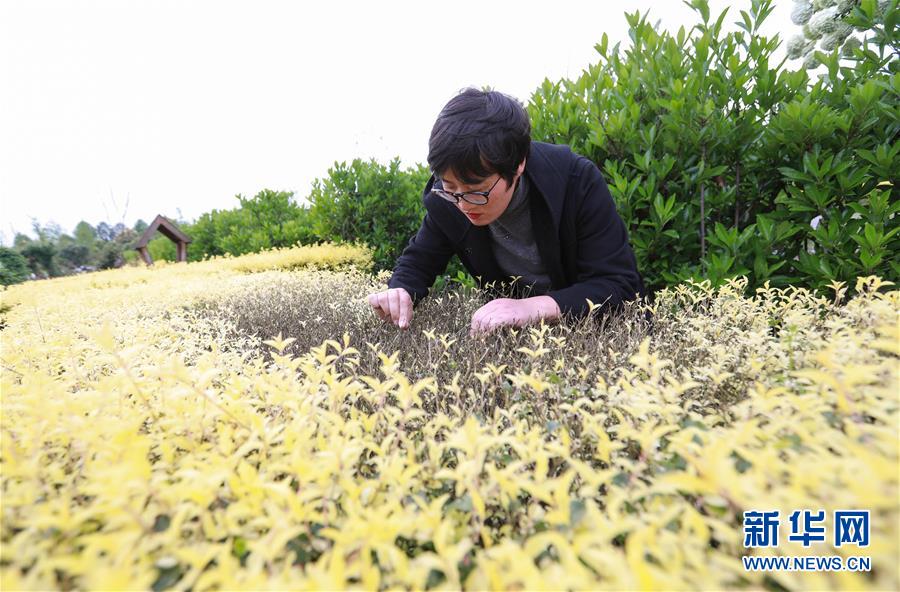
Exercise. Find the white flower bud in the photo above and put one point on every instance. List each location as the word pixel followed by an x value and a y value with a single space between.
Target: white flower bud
pixel 801 12
pixel 823 22
pixel 795 46
pixel 811 62
pixel 843 30
pixel 829 42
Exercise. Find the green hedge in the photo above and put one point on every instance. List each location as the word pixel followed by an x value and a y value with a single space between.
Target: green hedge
pixel 723 163
pixel 377 204
pixel 13 267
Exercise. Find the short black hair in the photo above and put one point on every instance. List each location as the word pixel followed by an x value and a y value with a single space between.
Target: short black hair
pixel 479 133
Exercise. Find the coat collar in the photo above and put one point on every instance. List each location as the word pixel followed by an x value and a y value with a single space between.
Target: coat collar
pixel 543 169
pixel 549 184
pixel 544 174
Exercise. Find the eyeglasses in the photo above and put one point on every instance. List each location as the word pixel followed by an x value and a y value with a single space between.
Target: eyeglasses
pixel 479 197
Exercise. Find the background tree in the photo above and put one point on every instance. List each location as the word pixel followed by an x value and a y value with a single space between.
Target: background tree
pixel 41 258
pixel 74 256
pixel 107 232
pixel 13 267
pixel 20 241
pixel 269 219
pixel 109 256
pixel 49 232
pixel 85 234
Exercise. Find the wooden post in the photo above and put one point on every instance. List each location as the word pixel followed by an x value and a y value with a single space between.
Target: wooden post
pixel 145 255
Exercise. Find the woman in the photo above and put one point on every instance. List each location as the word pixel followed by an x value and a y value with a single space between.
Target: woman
pixel 512 208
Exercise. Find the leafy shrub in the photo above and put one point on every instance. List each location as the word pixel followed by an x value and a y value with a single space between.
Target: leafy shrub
pixel 162 248
pixel 13 267
pixel 41 258
pixel 370 202
pixel 74 255
pixel 722 165
pixel 275 219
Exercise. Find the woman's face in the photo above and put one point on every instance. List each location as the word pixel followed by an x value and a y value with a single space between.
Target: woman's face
pixel 500 194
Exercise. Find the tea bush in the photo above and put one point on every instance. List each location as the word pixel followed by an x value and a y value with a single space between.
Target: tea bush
pixel 155 435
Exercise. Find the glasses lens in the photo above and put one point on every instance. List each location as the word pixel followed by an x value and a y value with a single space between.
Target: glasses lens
pixel 445 195
pixel 477 200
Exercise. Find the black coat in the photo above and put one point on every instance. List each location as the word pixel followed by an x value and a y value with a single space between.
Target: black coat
pixel 580 236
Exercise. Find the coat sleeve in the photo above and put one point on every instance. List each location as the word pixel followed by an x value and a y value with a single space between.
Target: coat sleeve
pixel 607 271
pixel 424 258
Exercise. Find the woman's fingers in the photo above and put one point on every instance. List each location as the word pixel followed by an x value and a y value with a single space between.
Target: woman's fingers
pixel 405 308
pixel 393 305
pixel 394 302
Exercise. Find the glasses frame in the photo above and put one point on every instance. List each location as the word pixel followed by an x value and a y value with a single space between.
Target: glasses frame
pixel 455 197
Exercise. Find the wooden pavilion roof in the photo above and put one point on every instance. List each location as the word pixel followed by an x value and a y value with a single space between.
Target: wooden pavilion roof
pixel 167 228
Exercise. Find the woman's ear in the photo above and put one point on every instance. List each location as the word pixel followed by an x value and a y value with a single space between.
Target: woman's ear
pixel 521 168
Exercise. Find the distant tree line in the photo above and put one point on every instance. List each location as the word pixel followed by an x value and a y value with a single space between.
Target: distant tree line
pixel 52 253
pixel 355 202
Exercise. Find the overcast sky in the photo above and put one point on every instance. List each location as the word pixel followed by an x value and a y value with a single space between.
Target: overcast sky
pixel 175 107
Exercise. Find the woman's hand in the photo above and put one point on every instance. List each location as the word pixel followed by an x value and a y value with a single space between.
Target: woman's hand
pixel 512 312
pixel 393 305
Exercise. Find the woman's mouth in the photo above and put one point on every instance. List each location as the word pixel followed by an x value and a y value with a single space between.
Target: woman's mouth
pixel 472 216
